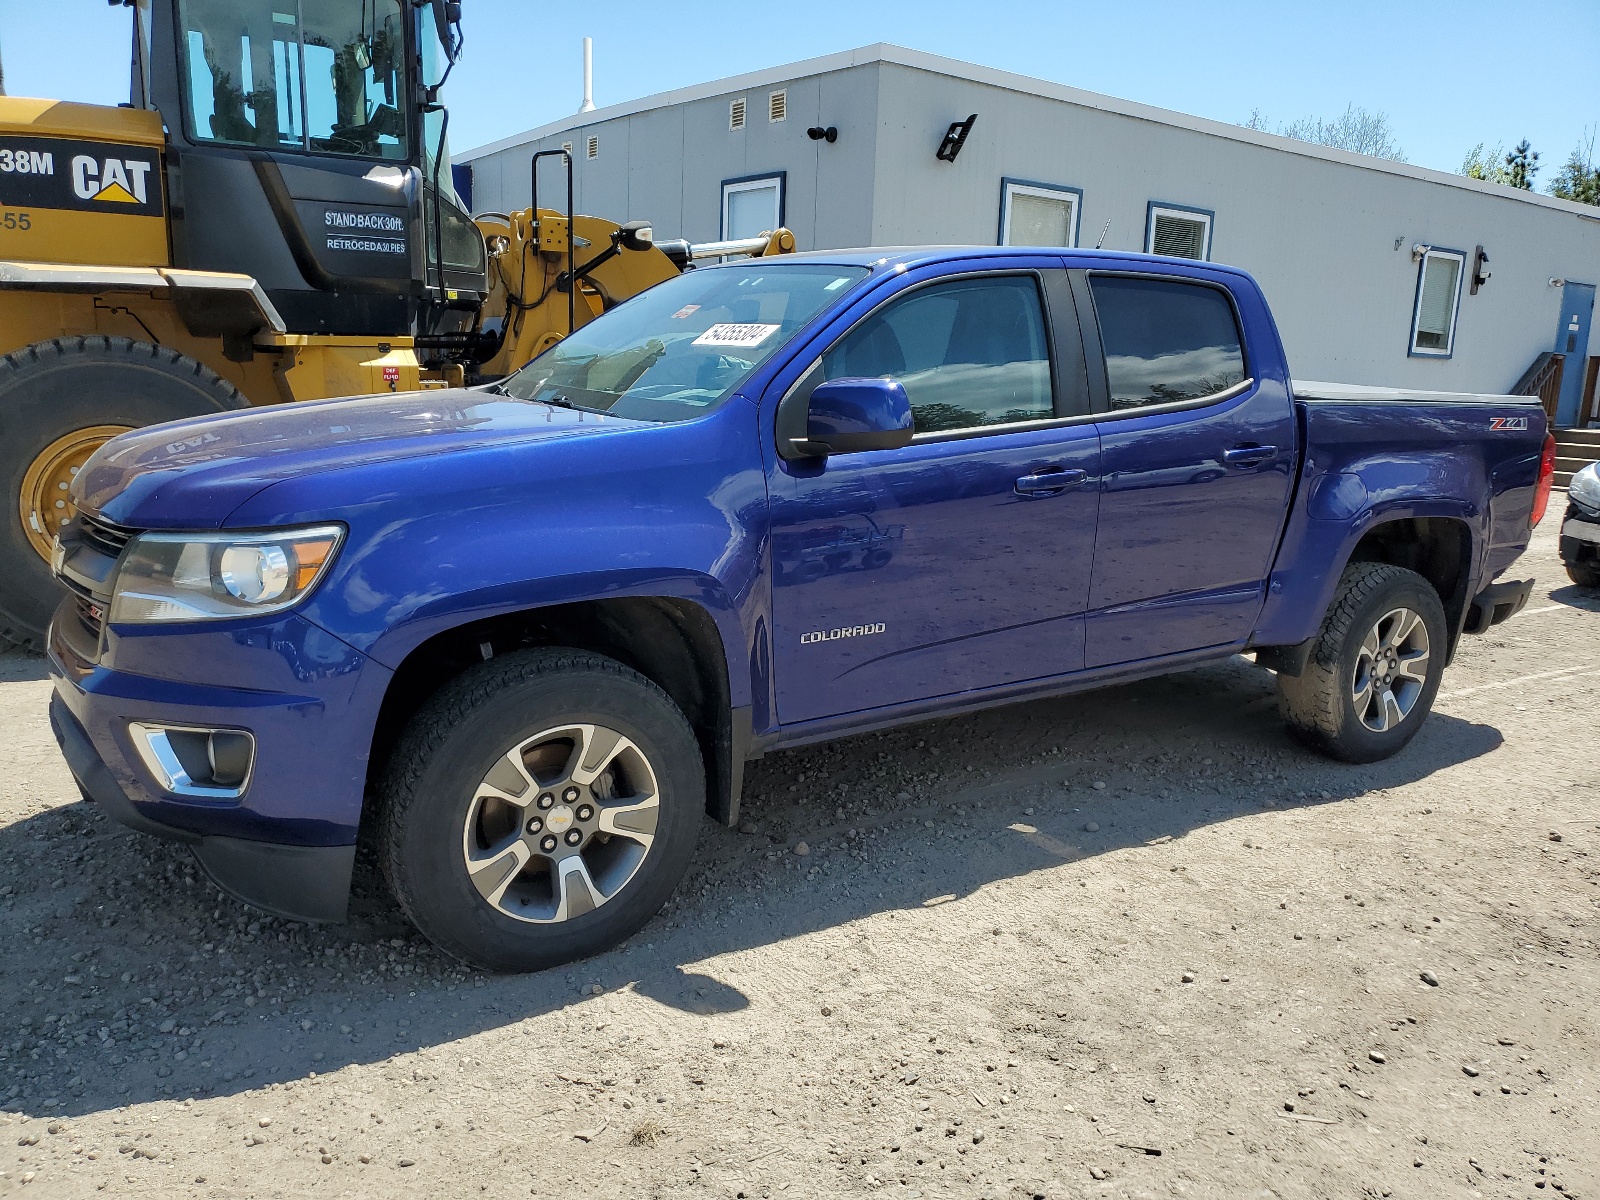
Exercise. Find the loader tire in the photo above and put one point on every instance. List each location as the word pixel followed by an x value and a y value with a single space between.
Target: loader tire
pixel 1374 669
pixel 60 401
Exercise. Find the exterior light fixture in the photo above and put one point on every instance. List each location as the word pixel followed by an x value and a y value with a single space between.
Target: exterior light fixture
pixel 818 134
pixel 1480 270
pixel 1418 251
pixel 954 138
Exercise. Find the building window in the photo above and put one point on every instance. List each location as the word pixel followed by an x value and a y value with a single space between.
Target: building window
pixel 1038 214
pixel 594 146
pixel 1433 324
pixel 1165 341
pixel 778 106
pixel 1178 232
pixel 751 207
pixel 736 114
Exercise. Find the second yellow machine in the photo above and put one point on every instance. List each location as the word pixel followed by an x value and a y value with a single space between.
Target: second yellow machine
pixel 271 218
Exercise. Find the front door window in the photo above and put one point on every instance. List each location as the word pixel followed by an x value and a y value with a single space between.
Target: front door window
pixel 292 75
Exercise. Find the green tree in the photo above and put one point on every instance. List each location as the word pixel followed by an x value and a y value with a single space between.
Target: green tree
pixel 1522 164
pixel 1486 165
pixel 1579 177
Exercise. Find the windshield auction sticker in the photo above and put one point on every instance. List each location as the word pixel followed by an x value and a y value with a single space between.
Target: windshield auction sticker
pixel 736 335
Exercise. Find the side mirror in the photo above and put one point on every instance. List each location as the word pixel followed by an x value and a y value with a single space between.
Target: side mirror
pixel 847 415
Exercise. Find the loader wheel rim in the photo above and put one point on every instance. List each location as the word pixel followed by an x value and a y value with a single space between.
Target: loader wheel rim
pixel 44 503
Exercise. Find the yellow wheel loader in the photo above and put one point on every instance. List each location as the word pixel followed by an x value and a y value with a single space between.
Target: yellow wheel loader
pixel 270 218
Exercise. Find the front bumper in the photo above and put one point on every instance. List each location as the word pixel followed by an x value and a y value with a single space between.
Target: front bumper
pixel 1580 536
pixel 286 842
pixel 306 883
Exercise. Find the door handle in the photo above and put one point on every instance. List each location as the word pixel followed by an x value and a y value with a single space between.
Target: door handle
pixel 1246 456
pixel 1049 483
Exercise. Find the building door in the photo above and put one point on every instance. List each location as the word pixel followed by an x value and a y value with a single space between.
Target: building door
pixel 1572 340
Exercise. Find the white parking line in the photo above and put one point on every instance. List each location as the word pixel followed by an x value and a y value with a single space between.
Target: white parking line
pixel 1564 673
pixel 1534 612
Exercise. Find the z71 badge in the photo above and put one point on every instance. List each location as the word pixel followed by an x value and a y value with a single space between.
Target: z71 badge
pixel 1508 422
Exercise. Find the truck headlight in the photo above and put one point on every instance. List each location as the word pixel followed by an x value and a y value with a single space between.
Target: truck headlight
pixel 214 576
pixel 1584 490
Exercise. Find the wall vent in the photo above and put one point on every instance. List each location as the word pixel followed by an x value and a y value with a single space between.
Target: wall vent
pixel 736 114
pixel 594 146
pixel 778 106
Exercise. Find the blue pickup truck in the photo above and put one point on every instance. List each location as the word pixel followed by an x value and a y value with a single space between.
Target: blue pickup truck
pixel 529 633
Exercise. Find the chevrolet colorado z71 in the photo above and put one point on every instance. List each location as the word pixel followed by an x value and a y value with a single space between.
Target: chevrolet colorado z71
pixel 532 632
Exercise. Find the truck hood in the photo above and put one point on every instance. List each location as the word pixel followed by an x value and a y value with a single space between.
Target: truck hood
pixel 192 474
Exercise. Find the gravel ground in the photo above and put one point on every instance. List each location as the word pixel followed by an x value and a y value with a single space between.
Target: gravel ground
pixel 1133 943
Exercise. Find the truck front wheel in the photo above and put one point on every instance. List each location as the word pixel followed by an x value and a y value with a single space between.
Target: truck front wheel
pixel 1374 669
pixel 540 809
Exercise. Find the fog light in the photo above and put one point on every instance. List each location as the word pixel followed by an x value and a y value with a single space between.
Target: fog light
pixel 212 764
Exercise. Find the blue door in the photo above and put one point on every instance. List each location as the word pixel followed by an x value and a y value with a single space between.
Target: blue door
pixel 1193 493
pixel 1572 339
pixel 961 561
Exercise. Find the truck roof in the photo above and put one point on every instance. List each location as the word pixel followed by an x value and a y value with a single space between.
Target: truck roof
pixel 889 258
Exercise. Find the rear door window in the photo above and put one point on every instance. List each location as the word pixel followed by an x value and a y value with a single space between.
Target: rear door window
pixel 1166 341
pixel 969 352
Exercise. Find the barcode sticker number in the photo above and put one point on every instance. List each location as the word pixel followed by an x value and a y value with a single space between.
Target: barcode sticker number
pixel 736 335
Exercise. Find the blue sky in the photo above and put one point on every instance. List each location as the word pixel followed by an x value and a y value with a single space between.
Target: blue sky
pixel 1449 75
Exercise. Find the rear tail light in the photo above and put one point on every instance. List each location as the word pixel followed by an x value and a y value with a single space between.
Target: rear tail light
pixel 1547 475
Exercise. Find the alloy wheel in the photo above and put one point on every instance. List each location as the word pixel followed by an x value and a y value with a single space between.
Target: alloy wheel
pixel 561 823
pixel 1391 670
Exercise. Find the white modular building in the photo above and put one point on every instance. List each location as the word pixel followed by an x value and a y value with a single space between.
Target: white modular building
pixel 1379 272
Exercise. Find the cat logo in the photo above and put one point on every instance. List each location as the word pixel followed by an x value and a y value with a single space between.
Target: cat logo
pixel 115 181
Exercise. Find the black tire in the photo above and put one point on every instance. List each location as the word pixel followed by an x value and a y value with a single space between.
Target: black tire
pixel 1319 704
pixel 467 729
pixel 1585 575
pixel 48 391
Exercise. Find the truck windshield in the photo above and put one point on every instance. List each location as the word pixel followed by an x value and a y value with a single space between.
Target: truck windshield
pixel 288 74
pixel 674 352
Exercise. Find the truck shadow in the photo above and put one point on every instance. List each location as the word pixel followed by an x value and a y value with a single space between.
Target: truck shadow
pixel 130 978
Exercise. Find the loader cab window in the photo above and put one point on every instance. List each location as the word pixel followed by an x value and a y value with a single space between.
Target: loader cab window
pixel 326 77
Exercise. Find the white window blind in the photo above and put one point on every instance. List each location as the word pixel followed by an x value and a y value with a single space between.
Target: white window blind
pixel 777 106
pixel 736 114
pixel 1437 290
pixel 1179 234
pixel 1038 216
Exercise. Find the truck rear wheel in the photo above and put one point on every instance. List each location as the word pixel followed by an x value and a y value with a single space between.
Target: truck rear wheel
pixel 1585 575
pixel 1375 668
pixel 540 809
pixel 60 401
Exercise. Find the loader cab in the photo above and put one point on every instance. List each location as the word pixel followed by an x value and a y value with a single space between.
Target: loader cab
pixel 306 146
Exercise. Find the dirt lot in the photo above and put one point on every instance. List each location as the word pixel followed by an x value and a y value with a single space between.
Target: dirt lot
pixel 1132 943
